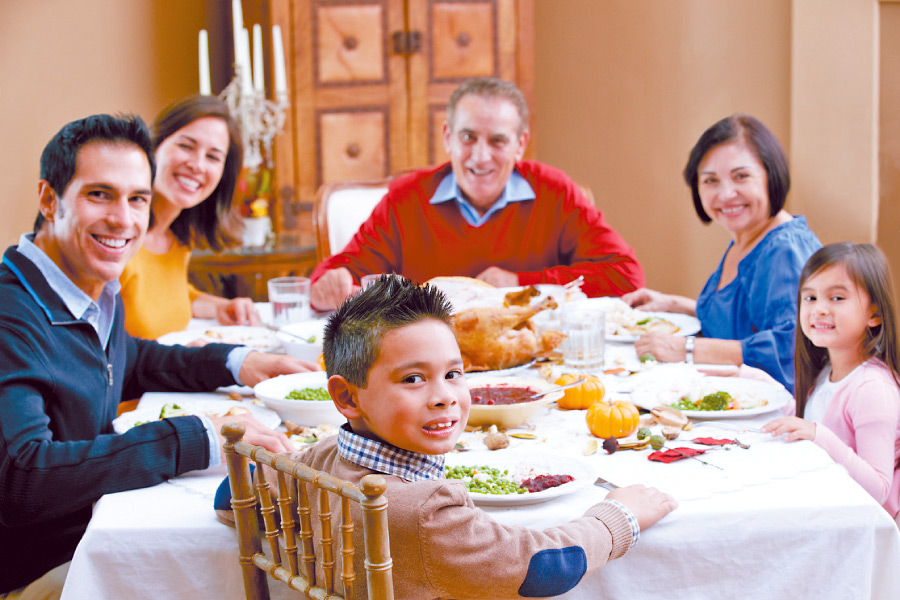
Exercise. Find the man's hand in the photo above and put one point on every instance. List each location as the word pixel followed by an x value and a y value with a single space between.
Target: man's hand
pixel 259 366
pixel 498 277
pixel 664 347
pixel 332 288
pixel 648 504
pixel 256 433
pixel 793 428
pixel 239 311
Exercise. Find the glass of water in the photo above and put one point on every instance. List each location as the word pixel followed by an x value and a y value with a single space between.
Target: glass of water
pixel 585 341
pixel 290 299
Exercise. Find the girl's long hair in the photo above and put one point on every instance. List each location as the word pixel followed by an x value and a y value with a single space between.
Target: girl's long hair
pixel 211 223
pixel 868 269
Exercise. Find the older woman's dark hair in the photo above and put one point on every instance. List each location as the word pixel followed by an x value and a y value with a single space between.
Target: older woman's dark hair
pixel 868 269
pixel 212 221
pixel 740 127
pixel 60 156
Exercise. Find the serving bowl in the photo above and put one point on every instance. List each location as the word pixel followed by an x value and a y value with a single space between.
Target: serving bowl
pixel 508 416
pixel 300 412
pixel 290 336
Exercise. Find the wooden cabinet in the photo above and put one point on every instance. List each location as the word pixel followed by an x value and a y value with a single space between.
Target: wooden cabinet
pixel 243 272
pixel 369 82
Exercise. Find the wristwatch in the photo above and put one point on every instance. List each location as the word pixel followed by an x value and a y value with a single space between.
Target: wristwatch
pixel 689 349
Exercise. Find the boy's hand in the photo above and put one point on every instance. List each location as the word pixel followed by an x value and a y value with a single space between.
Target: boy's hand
pixel 648 504
pixel 793 428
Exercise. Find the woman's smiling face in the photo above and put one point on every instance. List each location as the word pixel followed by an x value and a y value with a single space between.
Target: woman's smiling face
pixel 734 187
pixel 190 162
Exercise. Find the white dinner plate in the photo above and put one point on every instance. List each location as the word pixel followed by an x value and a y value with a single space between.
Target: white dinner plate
pixel 255 337
pixel 211 408
pixel 652 393
pixel 614 307
pixel 553 464
pixel 687 325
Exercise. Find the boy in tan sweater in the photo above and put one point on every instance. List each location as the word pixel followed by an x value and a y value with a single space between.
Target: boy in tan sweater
pixel 396 373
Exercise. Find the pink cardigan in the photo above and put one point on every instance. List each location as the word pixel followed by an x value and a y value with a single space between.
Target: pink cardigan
pixel 861 431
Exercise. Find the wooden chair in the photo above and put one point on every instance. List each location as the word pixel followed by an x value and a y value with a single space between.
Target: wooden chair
pixel 340 208
pixel 293 500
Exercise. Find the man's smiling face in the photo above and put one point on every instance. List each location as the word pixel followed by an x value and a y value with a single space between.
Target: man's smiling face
pixel 485 140
pixel 98 223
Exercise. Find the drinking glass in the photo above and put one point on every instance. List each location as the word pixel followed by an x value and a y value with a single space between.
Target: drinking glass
pixel 290 299
pixel 367 280
pixel 585 341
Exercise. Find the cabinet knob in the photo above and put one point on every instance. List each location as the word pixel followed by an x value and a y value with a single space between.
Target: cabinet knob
pixel 353 150
pixel 350 42
pixel 463 39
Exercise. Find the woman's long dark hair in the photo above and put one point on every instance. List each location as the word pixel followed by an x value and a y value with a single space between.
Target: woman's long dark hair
pixel 868 269
pixel 212 222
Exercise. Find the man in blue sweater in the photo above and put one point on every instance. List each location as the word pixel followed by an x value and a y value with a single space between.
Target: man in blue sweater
pixel 66 361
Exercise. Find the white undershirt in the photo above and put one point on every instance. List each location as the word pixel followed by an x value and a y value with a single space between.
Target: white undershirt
pixel 817 404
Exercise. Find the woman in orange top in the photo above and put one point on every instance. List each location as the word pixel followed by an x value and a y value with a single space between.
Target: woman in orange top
pixel 198 160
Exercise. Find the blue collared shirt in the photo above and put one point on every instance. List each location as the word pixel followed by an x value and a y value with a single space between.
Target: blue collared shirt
pixel 516 190
pixel 391 460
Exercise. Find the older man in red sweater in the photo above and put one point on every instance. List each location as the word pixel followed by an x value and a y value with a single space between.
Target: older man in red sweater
pixel 486 214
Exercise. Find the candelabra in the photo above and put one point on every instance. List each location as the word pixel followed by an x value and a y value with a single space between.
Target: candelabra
pixel 260 119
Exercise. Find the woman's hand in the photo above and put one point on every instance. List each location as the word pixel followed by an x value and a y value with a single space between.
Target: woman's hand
pixel 793 428
pixel 239 311
pixel 651 300
pixel 664 347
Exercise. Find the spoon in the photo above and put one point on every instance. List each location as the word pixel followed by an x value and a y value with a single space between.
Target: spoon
pixel 559 388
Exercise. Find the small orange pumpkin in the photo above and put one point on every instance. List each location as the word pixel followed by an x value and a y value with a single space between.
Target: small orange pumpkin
pixel 582 396
pixel 616 419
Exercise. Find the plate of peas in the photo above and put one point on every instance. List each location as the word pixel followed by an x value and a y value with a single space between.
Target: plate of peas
pixel 511 481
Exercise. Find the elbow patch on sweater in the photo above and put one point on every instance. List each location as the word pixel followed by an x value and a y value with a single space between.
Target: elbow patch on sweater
pixel 554 572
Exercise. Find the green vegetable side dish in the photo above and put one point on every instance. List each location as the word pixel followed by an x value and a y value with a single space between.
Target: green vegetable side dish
pixel 715 401
pixel 317 394
pixel 172 410
pixel 484 480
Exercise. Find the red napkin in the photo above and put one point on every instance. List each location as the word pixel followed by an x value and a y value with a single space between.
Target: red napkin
pixel 672 455
pixel 708 441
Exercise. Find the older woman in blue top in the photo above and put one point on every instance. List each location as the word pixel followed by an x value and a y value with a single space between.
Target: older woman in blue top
pixel 739 178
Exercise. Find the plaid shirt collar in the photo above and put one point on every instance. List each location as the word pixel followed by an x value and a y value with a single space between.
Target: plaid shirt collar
pixel 391 460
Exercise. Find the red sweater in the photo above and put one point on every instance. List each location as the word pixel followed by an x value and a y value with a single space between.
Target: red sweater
pixel 552 239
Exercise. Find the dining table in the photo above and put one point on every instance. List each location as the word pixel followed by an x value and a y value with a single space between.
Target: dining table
pixel 759 518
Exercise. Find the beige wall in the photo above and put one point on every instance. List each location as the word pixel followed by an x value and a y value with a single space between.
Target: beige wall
pixel 889 136
pixel 66 59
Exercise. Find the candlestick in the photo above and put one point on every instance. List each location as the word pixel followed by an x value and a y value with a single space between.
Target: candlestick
pixel 237 18
pixel 246 74
pixel 278 59
pixel 259 84
pixel 205 87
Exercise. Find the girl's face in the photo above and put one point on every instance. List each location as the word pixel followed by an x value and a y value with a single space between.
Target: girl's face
pixel 734 187
pixel 834 311
pixel 190 162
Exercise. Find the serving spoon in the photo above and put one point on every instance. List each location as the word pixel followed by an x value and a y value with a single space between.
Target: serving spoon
pixel 559 388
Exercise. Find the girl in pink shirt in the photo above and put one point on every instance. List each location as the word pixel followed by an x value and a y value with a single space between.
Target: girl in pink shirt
pixel 847 374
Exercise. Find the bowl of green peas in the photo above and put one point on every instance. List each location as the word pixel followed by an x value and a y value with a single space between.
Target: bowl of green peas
pixel 301 398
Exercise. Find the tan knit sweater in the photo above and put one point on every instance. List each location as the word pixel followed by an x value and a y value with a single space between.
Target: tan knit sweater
pixel 444 547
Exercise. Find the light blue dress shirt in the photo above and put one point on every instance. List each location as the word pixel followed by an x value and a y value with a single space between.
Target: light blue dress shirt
pixel 517 189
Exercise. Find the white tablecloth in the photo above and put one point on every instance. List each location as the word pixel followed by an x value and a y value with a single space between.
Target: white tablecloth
pixel 778 520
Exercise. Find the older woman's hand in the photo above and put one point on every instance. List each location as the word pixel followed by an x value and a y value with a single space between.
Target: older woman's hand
pixel 664 347
pixel 647 299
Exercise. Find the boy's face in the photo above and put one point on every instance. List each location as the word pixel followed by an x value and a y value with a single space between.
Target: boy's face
pixel 417 398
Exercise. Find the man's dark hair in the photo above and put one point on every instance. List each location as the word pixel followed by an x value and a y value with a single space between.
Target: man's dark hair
pixel 60 156
pixel 354 331
pixel 761 141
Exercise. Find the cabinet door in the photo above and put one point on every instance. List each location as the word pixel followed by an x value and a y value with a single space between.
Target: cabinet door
pixel 461 39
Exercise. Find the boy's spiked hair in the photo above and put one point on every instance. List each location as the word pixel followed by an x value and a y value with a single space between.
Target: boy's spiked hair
pixel 354 331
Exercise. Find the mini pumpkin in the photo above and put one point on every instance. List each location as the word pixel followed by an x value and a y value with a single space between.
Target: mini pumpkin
pixel 582 396
pixel 612 419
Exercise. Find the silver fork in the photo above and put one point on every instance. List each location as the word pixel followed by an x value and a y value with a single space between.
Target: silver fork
pixel 609 485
